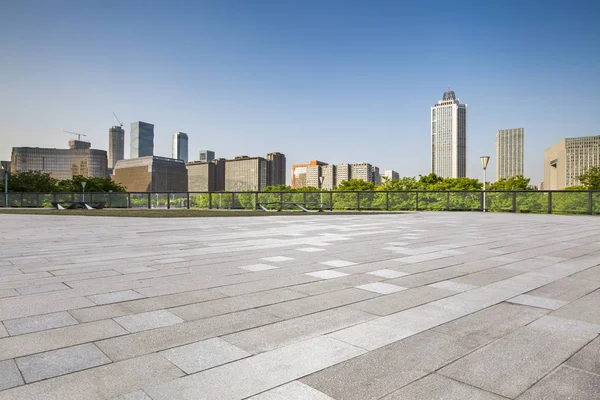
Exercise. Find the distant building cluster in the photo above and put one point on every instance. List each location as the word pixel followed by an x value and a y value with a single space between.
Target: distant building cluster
pixel 568 159
pixel 326 176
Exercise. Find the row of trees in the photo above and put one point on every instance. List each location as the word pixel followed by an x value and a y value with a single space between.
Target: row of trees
pixel 42 182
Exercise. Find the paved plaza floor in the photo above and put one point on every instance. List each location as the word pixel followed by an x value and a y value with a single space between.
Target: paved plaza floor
pixel 315 307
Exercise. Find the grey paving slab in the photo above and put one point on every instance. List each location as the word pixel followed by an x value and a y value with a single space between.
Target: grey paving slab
pixel 258 267
pixel 588 358
pixel 9 375
pixel 294 330
pixel 536 301
pixel 258 373
pixel 39 323
pixel 8 293
pixel 565 383
pixel 37 342
pixel 60 362
pixel 277 259
pixel 137 395
pixel 453 286
pixel 505 366
pixel 133 270
pixel 3 331
pixel 292 391
pixel 566 289
pixel 52 287
pixel 387 273
pixel 312 304
pixel 337 263
pixel 104 382
pixel 584 309
pixel 381 287
pixel 115 297
pixel 435 386
pixel 383 371
pixel 141 343
pixel 148 320
pixel 395 302
pixel 203 355
pixel 326 274
pixel 487 276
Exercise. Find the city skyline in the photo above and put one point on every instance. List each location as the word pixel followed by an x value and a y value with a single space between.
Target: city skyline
pixel 253 80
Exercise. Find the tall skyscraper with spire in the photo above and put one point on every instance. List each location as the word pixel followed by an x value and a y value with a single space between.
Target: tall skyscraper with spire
pixel 449 137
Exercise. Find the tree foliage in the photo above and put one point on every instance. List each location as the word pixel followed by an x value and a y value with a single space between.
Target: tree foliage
pixel 590 179
pixel 355 185
pixel 42 182
pixel 513 183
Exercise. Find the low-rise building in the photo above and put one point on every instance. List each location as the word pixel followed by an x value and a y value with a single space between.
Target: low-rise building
pixel 151 174
pixel 206 176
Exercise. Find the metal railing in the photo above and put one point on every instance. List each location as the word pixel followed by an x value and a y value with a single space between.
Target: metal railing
pixel 579 202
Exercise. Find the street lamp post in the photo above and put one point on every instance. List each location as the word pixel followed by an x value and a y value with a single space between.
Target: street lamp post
pixel 484 163
pixel 83 189
pixel 321 180
pixel 4 167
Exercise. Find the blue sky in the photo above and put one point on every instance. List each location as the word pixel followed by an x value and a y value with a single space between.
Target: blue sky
pixel 338 81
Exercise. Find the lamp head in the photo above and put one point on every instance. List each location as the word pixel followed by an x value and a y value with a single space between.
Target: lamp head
pixel 484 161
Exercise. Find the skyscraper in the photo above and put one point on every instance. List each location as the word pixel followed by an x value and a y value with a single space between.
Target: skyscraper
pixel 276 169
pixel 569 158
pixel 509 153
pixel 449 137
pixel 142 139
pixel 180 146
pixel 207 155
pixel 116 146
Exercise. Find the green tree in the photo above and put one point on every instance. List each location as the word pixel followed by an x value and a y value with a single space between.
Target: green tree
pixel 591 178
pixel 406 183
pixel 31 181
pixel 513 183
pixel 92 185
pixel 355 185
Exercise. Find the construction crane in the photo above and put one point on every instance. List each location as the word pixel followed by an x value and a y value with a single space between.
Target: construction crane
pixel 79 135
pixel 118 120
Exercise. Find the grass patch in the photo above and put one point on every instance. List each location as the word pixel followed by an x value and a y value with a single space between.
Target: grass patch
pixel 179 213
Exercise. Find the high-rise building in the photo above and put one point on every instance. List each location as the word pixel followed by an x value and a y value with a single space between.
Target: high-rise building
pixel 328 172
pixel 151 174
pixel 142 139
pixel 79 159
pixel 391 174
pixel 206 176
pixel 276 169
pixel 245 173
pixel 313 176
pixel 449 137
pixel 207 155
pixel 326 176
pixel 116 146
pixel 343 173
pixel 509 153
pixel 180 146
pixel 569 158
pixel 299 173
pixel 363 171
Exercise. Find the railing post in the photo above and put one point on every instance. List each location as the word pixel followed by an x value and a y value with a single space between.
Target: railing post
pixel 590 203
pixel 481 197
pixel 549 202
pixel 331 200
pixel 387 201
pixel 304 199
pixel 358 200
pixel 514 202
pixel 188 200
pixel 256 200
pixel 168 201
pixel 233 200
pixel 150 201
pixel 108 203
pixel 417 201
pixel 448 201
pixel 37 200
pixel 280 200
pixel 128 200
pixel 210 200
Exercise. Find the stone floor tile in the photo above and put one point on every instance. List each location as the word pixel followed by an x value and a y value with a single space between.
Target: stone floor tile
pixel 9 375
pixel 115 297
pixel 52 287
pixel 326 274
pixel 277 259
pixel 203 355
pixel 148 320
pixel 292 391
pixel 258 267
pixel 584 309
pixel 133 270
pixel 453 286
pixel 436 386
pixel 39 323
pixel 3 331
pixel 258 373
pixel 565 383
pixel 60 362
pixel 536 301
pixel 337 263
pixel 487 276
pixel 323 286
pixel 137 395
pixel 588 358
pixel 387 273
pixel 381 287
pixel 403 300
pixel 310 249
pixel 566 289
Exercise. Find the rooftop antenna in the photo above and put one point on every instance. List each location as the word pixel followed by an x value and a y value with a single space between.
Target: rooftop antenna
pixel 118 120
pixel 79 135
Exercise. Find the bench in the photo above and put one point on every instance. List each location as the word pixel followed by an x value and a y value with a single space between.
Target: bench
pixel 302 205
pixel 73 205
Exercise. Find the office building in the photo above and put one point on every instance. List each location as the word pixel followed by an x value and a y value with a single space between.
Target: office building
pixel 313 176
pixel 207 155
pixel 276 169
pixel 362 171
pixel 569 158
pixel 375 175
pixel 328 172
pixel 116 146
pixel 509 153
pixel 299 173
pixel 206 176
pixel 391 174
pixel 151 174
pixel 61 164
pixel 449 137
pixel 343 172
pixel 142 139
pixel 246 173
pixel 180 146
